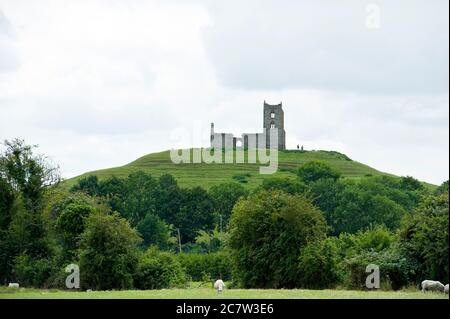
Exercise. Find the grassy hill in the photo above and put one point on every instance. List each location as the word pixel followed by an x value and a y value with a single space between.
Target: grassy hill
pixel 207 175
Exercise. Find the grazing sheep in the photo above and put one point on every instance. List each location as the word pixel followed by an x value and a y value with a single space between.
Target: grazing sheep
pixel 219 285
pixel 431 285
pixel 13 285
pixel 446 289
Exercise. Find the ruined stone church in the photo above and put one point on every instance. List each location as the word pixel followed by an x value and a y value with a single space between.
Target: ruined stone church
pixel 273 121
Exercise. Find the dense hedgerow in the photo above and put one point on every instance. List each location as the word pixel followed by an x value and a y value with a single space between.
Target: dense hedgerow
pixel 157 270
pixel 213 265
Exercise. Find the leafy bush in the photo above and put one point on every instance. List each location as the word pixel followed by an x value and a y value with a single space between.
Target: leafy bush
pixel 108 255
pixel 158 270
pixel 215 265
pixel 376 238
pixel 30 272
pixel 287 185
pixel 57 279
pixel 424 237
pixel 70 223
pixel 318 264
pixel 267 233
pixel 396 271
pixel 442 189
pixel 313 171
pixel 241 178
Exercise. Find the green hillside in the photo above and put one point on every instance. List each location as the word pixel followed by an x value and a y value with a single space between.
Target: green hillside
pixel 207 175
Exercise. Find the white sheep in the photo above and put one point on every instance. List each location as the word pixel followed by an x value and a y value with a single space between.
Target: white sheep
pixel 13 285
pixel 431 285
pixel 446 289
pixel 219 285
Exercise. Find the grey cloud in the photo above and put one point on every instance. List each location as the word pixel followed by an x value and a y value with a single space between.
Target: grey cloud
pixel 325 45
pixel 84 117
pixel 9 57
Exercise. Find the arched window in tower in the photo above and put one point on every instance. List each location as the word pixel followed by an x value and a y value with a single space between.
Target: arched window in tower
pixel 272 125
pixel 272 115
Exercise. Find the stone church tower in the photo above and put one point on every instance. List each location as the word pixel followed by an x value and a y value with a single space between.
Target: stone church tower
pixel 274 119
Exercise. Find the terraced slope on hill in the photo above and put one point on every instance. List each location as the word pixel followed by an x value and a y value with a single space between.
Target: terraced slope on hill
pixel 206 175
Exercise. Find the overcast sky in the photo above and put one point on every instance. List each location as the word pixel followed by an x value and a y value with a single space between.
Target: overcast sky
pixel 99 83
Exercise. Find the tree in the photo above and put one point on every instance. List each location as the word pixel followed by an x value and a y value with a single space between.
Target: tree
pixel 287 185
pixel 6 203
pixel 113 190
pixel 70 224
pixel 108 255
pixel 168 198
pixel 268 230
pixel 196 213
pixel 313 171
pixel 406 191
pixel 88 185
pixel 358 209
pixel 442 189
pixel 139 199
pixel 409 183
pixel 154 231
pixel 326 194
pixel 425 237
pixel 210 241
pixel 25 178
pixel 27 174
pixel 224 197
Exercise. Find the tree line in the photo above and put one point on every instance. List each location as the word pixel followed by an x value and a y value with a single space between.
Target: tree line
pixel 317 230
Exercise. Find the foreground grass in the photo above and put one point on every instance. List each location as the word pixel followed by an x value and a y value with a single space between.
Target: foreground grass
pixel 208 293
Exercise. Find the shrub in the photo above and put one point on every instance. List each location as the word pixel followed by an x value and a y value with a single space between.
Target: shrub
pixel 241 178
pixel 396 271
pixel 424 237
pixel 157 270
pixel 57 279
pixel 313 171
pixel 215 265
pixel 70 224
pixel 108 255
pixel 30 272
pixel 442 189
pixel 267 233
pixel 376 238
pixel 318 264
pixel 287 185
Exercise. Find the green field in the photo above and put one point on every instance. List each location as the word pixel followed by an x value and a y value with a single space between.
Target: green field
pixel 207 175
pixel 208 293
